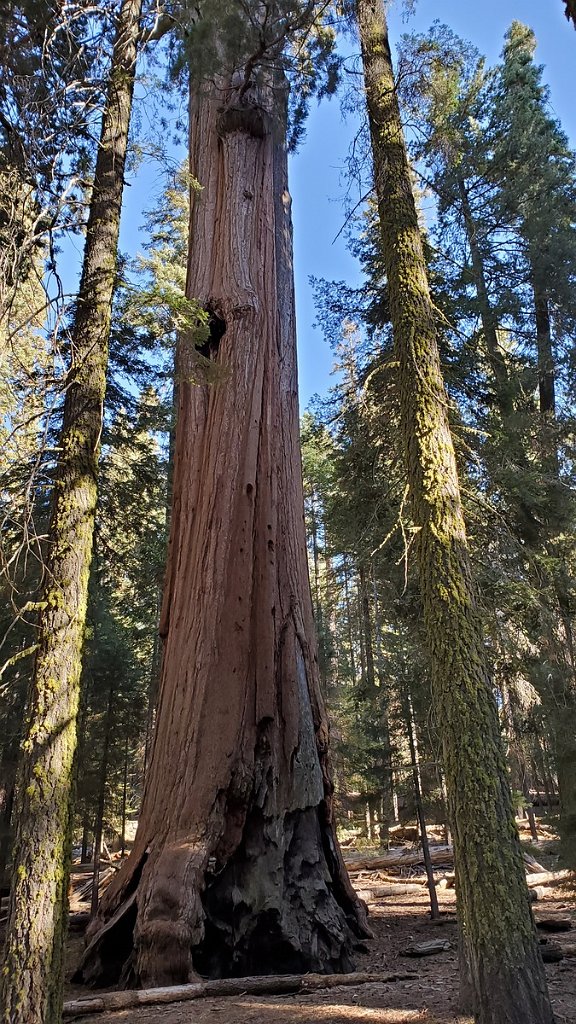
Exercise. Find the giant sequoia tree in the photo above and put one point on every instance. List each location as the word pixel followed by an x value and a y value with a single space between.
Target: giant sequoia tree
pixel 505 970
pixel 235 868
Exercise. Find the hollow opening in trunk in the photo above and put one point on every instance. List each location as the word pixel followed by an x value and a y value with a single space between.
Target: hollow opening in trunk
pixel 217 327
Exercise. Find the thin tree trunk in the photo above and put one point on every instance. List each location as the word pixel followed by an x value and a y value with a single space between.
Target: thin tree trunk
pixel 31 987
pixel 7 788
pixel 505 967
pixel 84 858
pixel 124 800
pixel 487 315
pixel 155 665
pixel 546 362
pixel 367 631
pixel 558 691
pixel 99 824
pixel 389 796
pixel 443 790
pixel 349 620
pixel 412 742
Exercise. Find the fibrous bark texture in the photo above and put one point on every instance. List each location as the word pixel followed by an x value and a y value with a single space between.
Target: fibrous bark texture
pixel 506 972
pixel 236 868
pixel 32 972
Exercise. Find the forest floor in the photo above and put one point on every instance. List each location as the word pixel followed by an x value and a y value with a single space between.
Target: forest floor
pixel 431 997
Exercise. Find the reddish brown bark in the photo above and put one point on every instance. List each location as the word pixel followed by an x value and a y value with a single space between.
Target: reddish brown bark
pixel 236 867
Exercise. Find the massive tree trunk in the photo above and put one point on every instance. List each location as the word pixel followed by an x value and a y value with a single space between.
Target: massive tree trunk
pixel 236 869
pixel 506 971
pixel 32 975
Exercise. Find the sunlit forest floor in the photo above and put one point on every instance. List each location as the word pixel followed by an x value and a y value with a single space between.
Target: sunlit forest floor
pixel 431 997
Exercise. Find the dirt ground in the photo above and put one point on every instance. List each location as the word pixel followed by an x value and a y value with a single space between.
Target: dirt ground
pixel 432 997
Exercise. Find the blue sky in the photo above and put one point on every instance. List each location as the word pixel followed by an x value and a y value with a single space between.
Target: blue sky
pixel 318 179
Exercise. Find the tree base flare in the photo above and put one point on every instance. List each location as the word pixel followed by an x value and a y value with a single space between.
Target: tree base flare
pixel 277 906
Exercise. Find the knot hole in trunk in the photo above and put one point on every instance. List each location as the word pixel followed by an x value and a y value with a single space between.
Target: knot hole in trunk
pixel 217 328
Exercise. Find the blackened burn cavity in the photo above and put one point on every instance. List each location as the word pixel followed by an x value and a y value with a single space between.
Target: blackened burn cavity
pixel 243 117
pixel 217 328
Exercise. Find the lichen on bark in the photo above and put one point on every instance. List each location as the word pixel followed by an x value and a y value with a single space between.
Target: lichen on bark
pixel 505 969
pixel 32 972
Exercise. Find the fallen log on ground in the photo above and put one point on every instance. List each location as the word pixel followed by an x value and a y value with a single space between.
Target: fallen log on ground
pixel 280 984
pixel 532 865
pixel 400 858
pixel 427 948
pixel 554 924
pixel 408 858
pixel 551 952
pixel 548 878
pixel 378 892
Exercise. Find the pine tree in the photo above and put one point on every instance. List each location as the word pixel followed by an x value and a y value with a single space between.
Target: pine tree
pixel 493 150
pixel 531 158
pixel 505 969
pixel 32 975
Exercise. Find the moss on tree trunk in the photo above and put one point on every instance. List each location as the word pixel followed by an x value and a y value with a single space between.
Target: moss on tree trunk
pixel 32 971
pixel 505 968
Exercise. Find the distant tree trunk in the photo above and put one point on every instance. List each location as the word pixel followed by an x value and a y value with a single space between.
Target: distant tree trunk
pixel 366 623
pixel 124 799
pixel 416 780
pixel 84 855
pixel 6 806
pixel 8 764
pixel 487 315
pixel 546 362
pixel 235 867
pixel 10 747
pixel 31 986
pixel 389 796
pixel 558 691
pixel 153 682
pixel 517 757
pixel 99 823
pixel 505 967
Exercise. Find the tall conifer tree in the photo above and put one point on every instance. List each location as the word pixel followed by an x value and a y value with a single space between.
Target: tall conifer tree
pixel 505 969
pixel 32 979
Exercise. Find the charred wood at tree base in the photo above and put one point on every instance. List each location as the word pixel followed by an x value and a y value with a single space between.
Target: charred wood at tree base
pixel 217 327
pixel 112 962
pixel 272 907
pixel 108 958
pixel 251 119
